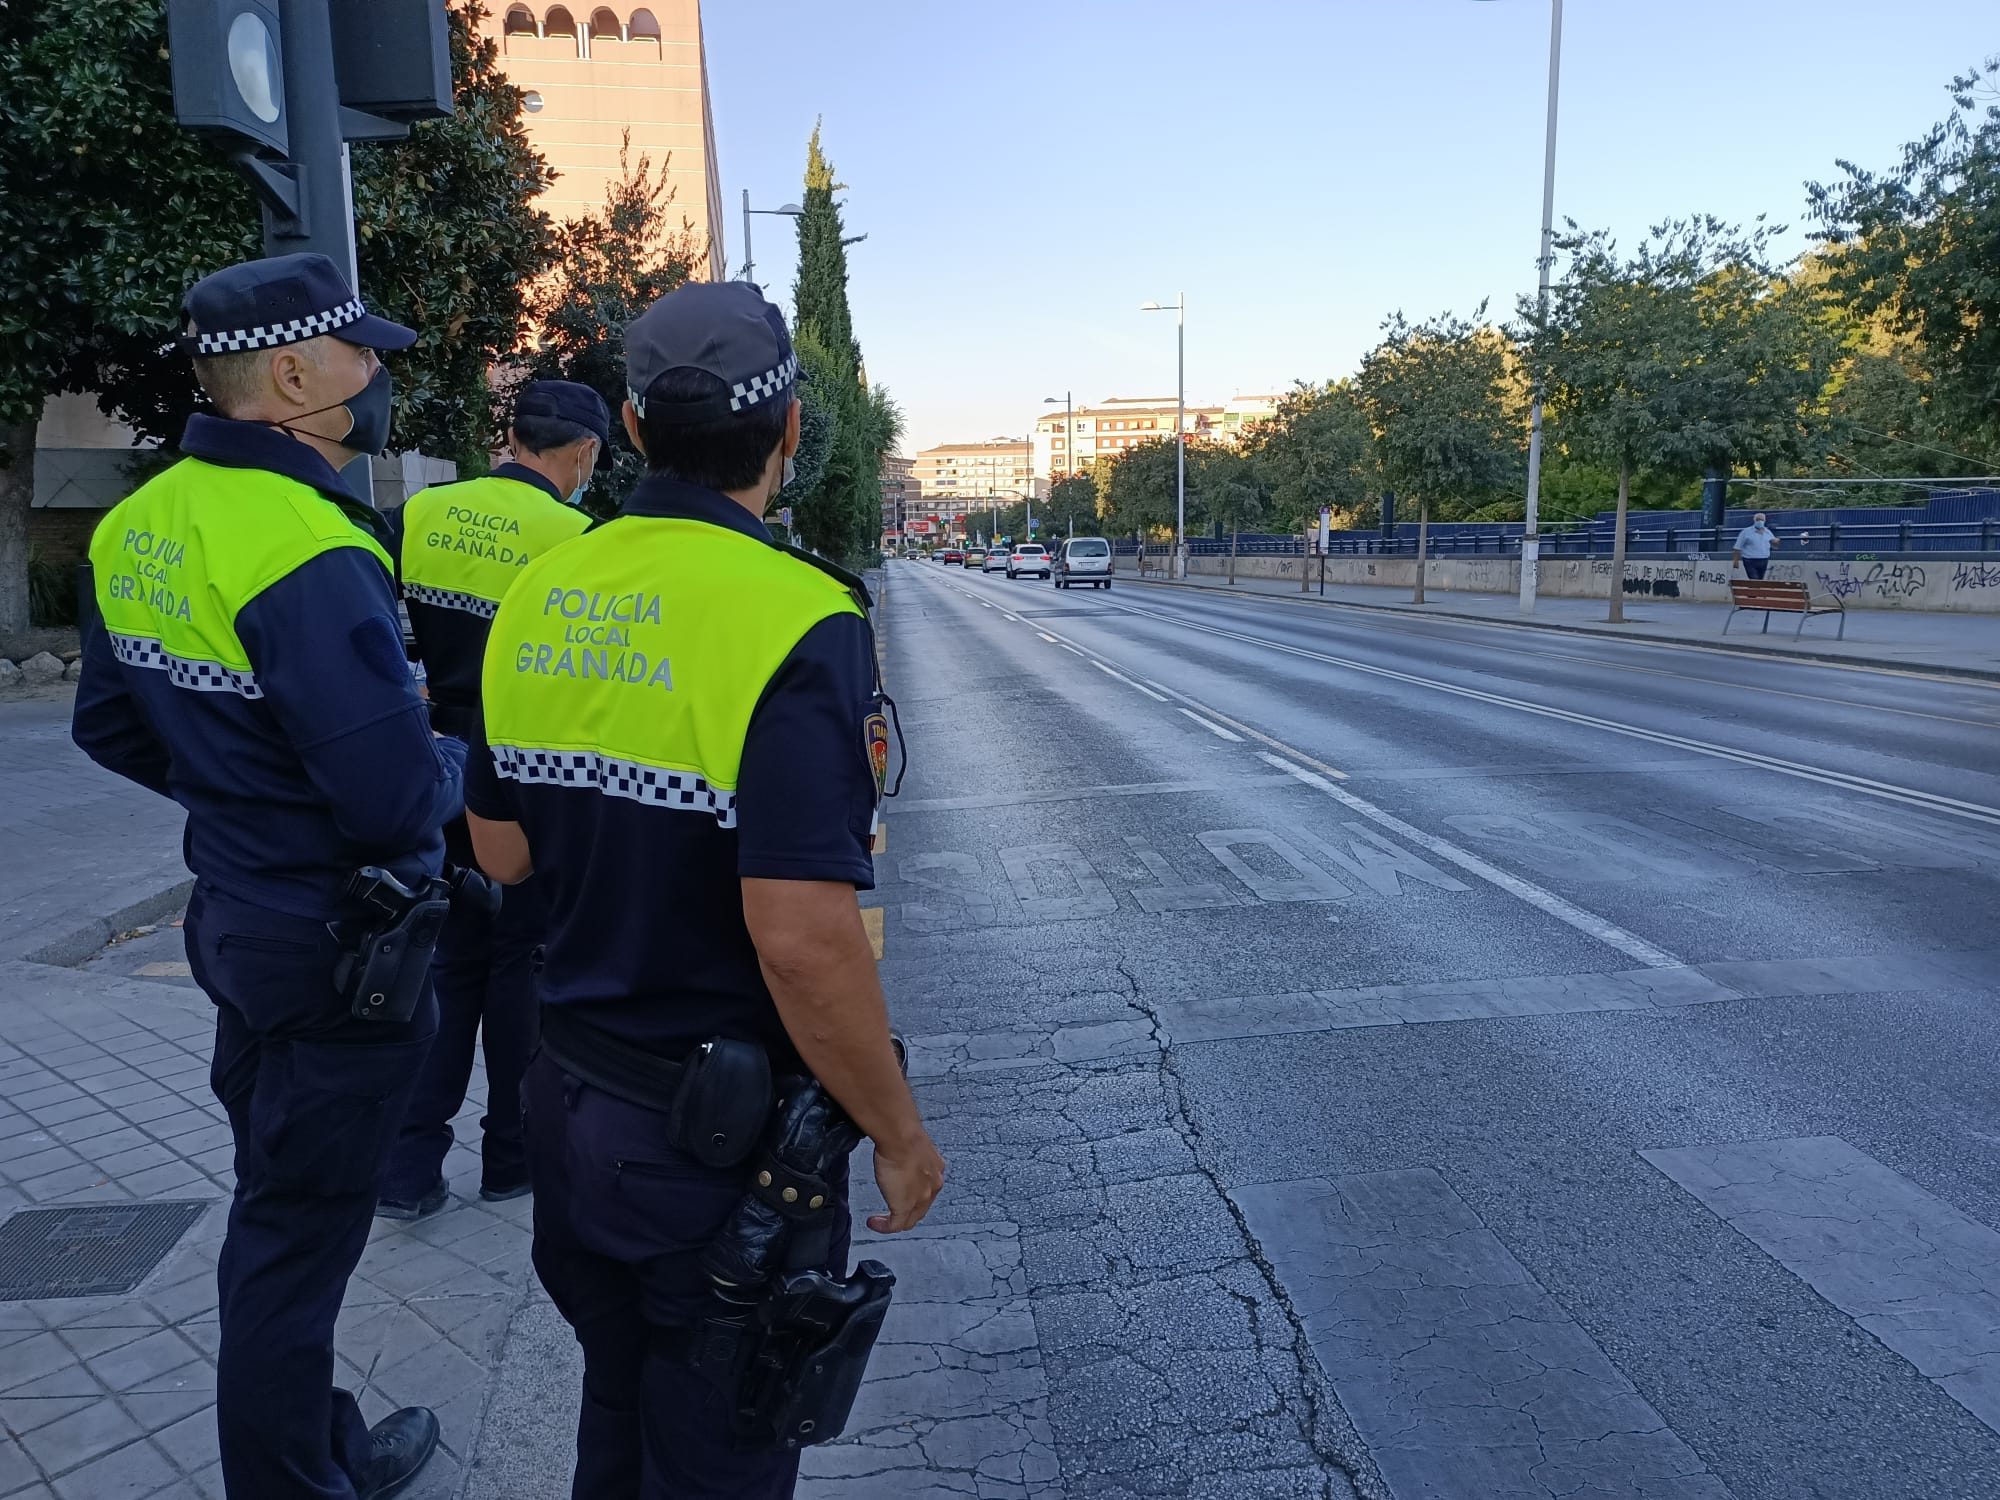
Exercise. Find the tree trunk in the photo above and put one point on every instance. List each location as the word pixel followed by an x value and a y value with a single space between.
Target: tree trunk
pixel 1423 547
pixel 17 493
pixel 1617 614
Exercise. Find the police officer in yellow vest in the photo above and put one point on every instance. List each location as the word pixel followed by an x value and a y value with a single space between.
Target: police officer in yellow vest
pixel 680 741
pixel 460 547
pixel 248 663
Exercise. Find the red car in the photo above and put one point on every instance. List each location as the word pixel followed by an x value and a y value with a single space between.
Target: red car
pixel 952 555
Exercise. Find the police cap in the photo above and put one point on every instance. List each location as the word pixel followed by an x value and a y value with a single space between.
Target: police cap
pixel 566 401
pixel 285 299
pixel 722 328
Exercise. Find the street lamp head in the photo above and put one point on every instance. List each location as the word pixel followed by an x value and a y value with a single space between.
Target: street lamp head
pixel 792 209
pixel 1152 307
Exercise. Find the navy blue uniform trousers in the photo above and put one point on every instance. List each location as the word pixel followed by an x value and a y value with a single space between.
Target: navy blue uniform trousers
pixel 621 1220
pixel 483 972
pixel 313 1098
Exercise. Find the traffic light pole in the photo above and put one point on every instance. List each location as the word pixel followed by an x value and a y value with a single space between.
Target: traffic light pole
pixel 325 218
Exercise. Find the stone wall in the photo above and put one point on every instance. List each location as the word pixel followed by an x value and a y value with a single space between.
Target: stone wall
pixel 1905 582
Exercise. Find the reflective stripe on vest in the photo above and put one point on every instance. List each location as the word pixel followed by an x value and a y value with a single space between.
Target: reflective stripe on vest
pixel 629 661
pixel 174 561
pixel 464 544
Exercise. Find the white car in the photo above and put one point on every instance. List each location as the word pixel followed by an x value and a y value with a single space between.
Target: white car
pixel 996 562
pixel 1085 559
pixel 1031 558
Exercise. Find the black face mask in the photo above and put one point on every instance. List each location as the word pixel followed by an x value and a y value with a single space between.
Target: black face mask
pixel 368 412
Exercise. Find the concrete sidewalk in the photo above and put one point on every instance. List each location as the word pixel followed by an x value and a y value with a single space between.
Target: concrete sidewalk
pixel 105 1111
pixel 1960 645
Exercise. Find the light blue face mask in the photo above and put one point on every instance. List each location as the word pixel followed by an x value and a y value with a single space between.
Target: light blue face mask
pixel 583 484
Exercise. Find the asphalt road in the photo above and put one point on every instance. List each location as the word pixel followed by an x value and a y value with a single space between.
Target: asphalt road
pixel 1457 1060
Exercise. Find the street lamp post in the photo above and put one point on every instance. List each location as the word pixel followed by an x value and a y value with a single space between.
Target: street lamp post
pixel 1180 426
pixel 1531 545
pixel 790 211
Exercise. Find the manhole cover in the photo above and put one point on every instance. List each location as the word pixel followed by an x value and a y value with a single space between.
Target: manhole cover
pixel 95 1250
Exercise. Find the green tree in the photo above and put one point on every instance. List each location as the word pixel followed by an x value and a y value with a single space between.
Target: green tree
pixel 88 264
pixel 1316 450
pixel 1441 397
pixel 1073 502
pixel 1136 490
pixel 1921 245
pixel 92 272
pixel 839 515
pixel 610 266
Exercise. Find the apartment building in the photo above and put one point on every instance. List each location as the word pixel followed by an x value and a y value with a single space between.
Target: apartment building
pixel 591 74
pixel 1065 443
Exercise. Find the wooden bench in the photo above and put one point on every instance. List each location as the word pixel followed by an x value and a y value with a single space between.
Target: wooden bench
pixel 1774 596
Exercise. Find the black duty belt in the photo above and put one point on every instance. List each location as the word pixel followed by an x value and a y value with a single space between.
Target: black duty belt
pixel 604 1061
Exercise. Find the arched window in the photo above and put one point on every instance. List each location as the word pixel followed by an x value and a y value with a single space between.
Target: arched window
pixel 643 24
pixel 521 22
pixel 559 22
pixel 604 23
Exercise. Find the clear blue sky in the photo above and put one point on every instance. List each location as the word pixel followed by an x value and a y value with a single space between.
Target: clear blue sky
pixel 1028 174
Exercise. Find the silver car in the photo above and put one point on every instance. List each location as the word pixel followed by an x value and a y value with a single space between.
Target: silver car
pixel 1084 559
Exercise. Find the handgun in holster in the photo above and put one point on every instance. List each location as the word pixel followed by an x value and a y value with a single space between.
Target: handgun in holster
pixel 791 1345
pixel 382 975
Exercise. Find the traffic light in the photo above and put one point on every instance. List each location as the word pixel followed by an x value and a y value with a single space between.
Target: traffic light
pixel 282 85
pixel 229 70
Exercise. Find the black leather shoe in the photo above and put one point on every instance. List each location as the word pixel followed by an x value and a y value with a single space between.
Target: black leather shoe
pixel 505 1192
pixel 401 1443
pixel 423 1208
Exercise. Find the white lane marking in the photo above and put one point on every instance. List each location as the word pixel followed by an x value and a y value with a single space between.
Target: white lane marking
pixel 1930 801
pixel 1005 616
pixel 1157 698
pixel 1068 647
pixel 1047 637
pixel 1547 901
pixel 982 603
pixel 1251 732
pixel 1215 729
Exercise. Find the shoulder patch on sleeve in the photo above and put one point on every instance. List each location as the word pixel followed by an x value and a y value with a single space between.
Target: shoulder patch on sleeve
pixel 379 644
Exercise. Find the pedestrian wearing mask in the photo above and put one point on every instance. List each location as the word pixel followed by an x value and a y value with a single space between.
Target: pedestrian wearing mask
pixel 683 741
pixel 246 661
pixel 460 546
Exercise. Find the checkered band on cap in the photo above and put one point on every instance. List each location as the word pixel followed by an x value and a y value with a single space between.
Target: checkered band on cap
pixel 682 791
pixel 183 671
pixel 762 387
pixel 271 335
pixel 471 604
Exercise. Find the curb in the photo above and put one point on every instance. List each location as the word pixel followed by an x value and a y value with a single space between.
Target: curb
pixel 73 947
pixel 1822 658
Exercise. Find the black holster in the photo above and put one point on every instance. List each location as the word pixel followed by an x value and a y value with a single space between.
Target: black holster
pixel 790 1345
pixel 382 974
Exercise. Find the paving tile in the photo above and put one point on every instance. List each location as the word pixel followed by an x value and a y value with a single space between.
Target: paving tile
pixel 129 1473
pixel 58 1184
pixel 138 1092
pixel 172 1177
pixel 155 1109
pixel 125 1164
pixel 96 1134
pixel 81 1437
pixel 88 1341
pixel 131 1366
pixel 19 1414
pixel 195 1375
pixel 18 1475
pixel 191 1442
pixel 41 1157
pixel 157 1410
pixel 33 1358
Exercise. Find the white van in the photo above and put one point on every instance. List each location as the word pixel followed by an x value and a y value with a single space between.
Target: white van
pixel 1085 559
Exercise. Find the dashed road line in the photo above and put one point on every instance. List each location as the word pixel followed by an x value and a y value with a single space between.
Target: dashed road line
pixel 1842 780
pixel 1120 676
pixel 1548 902
pixel 1047 637
pixel 1215 729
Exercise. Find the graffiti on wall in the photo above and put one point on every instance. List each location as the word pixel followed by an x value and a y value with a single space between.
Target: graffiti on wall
pixel 1975 575
pixel 1881 580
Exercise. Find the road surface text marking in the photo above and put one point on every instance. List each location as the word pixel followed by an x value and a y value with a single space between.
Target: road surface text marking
pixel 1547 902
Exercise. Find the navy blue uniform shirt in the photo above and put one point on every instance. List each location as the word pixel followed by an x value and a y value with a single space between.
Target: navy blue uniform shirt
pixel 451 643
pixel 333 767
pixel 646 933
